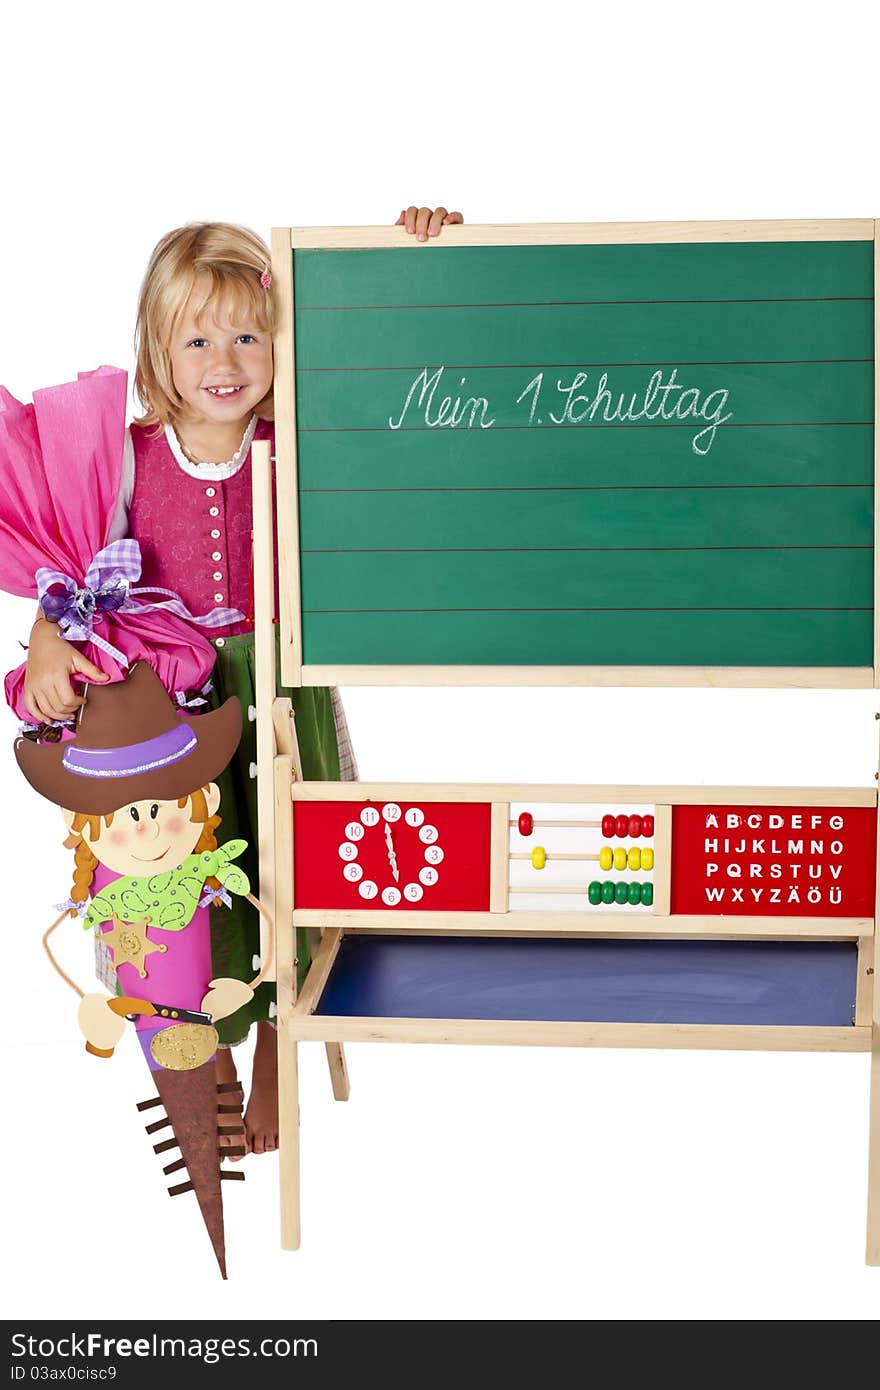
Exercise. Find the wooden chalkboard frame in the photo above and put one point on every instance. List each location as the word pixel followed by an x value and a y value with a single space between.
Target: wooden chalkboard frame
pixel 280 782
pixel 294 672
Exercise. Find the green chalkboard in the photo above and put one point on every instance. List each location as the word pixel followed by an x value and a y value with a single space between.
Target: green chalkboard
pixel 590 455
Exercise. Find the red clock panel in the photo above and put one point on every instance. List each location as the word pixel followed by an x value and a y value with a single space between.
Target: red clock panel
pixel 774 861
pixel 431 856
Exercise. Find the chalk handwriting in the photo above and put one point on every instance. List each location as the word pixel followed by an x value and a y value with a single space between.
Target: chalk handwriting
pixel 449 412
pixel 663 398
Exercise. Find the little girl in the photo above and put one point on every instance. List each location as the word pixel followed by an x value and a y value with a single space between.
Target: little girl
pixel 204 378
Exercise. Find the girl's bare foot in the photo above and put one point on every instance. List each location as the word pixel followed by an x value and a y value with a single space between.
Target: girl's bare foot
pixel 224 1067
pixel 261 1116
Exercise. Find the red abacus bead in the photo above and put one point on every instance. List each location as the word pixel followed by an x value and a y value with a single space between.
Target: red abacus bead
pixel 635 826
pixel 608 826
pixel 526 823
pixel 621 825
pixel 647 825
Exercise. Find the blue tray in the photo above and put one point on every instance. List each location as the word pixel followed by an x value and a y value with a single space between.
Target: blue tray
pixel 593 981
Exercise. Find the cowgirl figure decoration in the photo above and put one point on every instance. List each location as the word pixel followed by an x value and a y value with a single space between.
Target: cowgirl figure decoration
pixel 136 791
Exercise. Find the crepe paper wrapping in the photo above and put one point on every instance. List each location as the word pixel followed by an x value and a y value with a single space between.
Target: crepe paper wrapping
pixel 106 589
pixel 60 472
pixel 169 900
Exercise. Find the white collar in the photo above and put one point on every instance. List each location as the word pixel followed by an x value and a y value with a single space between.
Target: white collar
pixel 215 472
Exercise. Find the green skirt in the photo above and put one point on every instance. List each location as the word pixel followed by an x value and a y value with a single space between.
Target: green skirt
pixel 235 931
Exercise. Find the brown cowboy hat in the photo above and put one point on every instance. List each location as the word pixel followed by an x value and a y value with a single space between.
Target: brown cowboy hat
pixel 131 744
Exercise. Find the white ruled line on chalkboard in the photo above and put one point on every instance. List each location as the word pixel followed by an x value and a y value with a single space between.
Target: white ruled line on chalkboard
pixel 555 366
pixel 543 549
pixel 613 425
pixel 576 303
pixel 690 608
pixel 593 487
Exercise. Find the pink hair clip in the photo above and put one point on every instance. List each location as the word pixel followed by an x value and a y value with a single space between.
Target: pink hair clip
pixel 266 279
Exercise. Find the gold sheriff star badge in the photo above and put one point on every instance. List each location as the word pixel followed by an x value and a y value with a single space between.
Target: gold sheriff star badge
pixel 130 944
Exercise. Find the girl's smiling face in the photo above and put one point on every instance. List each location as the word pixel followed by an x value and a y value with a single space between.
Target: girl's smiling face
pixel 221 363
pixel 149 837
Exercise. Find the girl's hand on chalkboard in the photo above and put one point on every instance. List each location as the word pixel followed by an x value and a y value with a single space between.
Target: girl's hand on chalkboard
pixel 427 222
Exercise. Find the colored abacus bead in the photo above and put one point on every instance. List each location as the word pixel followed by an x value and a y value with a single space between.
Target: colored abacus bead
pixel 539 857
pixel 608 891
pixel 621 894
pixel 620 857
pixel 526 823
pixel 594 892
pixel 606 857
pixel 634 858
pixel 634 894
pixel 608 824
pixel 647 894
pixel 648 825
pixel 647 859
pixel 621 825
pixel 635 826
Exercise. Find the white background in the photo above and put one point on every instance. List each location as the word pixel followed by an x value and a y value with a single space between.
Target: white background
pixel 457 1182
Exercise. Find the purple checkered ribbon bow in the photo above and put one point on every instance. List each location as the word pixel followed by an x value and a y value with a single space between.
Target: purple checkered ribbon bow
pixel 215 895
pixel 106 588
pixel 70 906
pixel 190 699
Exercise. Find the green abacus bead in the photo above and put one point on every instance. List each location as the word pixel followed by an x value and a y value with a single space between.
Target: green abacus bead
pixel 647 894
pixel 608 891
pixel 594 892
pixel 634 894
pixel 621 894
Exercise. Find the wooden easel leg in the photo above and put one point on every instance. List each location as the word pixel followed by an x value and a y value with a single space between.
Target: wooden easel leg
pixel 285 949
pixel 872 1253
pixel 288 1138
pixel 872 1244
pixel 338 1070
pixel 335 1053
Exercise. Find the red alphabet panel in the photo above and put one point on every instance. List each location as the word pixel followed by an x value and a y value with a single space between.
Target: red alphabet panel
pixel 765 861
pixel 397 855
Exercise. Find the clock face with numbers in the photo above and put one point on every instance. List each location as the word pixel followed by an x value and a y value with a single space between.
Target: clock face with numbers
pixel 392 854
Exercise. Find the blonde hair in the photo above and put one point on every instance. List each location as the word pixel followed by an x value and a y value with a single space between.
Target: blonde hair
pixel 232 259
pixel 86 862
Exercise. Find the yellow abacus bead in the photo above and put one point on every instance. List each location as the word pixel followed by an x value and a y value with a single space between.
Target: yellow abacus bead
pixel 620 858
pixel 634 858
pixel 606 858
pixel 647 859
pixel 539 857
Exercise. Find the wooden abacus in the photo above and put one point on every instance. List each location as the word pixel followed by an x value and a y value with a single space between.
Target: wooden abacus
pixel 608 857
